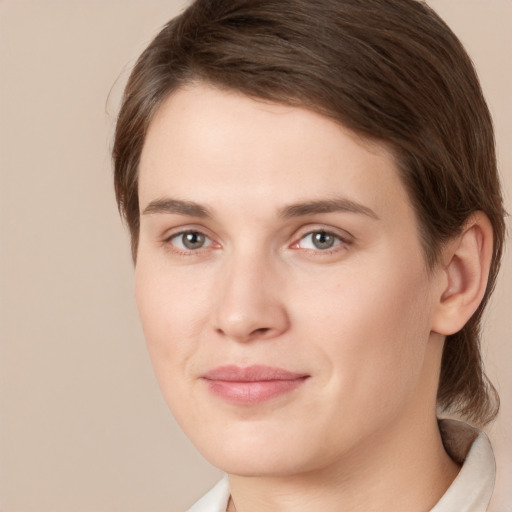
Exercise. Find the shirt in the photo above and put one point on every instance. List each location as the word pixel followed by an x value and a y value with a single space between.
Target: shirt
pixel 471 491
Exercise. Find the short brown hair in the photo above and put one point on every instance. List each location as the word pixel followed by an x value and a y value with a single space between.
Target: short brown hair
pixel 392 71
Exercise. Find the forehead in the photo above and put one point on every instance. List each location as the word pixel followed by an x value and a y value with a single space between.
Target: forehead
pixel 208 145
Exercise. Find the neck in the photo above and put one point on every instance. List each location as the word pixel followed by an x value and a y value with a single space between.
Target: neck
pixel 407 470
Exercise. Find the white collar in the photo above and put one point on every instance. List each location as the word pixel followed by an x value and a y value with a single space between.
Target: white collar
pixel 215 500
pixel 471 490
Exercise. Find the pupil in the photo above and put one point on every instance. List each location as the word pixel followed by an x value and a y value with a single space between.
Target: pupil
pixel 193 240
pixel 323 240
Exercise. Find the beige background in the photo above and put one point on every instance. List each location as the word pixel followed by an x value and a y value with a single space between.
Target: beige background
pixel 82 425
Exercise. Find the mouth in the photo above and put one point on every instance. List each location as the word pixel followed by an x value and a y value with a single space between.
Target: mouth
pixel 252 384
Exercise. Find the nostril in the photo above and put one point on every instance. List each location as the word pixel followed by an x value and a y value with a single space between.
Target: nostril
pixel 260 331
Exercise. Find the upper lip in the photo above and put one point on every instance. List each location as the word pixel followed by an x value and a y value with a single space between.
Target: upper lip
pixel 255 373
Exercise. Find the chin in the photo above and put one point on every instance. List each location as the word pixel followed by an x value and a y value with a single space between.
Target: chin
pixel 250 464
pixel 258 451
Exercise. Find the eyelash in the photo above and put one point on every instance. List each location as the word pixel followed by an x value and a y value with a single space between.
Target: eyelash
pixel 167 242
pixel 340 243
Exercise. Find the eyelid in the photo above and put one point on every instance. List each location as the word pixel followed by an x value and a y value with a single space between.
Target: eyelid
pixel 345 238
pixel 183 230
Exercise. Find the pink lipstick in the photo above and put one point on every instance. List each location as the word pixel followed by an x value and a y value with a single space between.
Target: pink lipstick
pixel 253 384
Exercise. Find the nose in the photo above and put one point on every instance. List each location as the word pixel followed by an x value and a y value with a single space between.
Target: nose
pixel 250 301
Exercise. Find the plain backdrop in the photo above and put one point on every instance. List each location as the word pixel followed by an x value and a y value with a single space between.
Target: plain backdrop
pixel 83 427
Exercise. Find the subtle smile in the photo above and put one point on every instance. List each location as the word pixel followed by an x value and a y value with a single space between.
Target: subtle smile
pixel 253 384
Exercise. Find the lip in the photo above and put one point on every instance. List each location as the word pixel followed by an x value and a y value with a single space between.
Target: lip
pixel 252 384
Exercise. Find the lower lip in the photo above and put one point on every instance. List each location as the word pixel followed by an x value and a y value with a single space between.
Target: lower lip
pixel 252 392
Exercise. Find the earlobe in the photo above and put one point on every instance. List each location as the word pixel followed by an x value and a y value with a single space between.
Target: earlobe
pixel 463 275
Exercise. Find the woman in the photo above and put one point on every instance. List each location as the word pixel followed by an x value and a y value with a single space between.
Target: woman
pixel 317 225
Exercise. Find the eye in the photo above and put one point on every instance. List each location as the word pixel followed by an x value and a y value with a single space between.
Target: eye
pixel 189 241
pixel 319 240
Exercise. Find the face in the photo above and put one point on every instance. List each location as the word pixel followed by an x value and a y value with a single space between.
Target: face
pixel 281 284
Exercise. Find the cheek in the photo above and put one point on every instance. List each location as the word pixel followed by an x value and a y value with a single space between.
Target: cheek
pixel 399 331
pixel 169 313
pixel 373 329
pixel 170 316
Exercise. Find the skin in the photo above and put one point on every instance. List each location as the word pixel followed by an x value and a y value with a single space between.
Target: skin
pixel 360 319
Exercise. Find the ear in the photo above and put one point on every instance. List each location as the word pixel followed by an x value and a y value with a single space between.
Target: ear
pixel 463 275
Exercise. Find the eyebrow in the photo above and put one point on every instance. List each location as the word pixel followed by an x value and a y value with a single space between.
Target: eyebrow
pixel 327 206
pixel 168 205
pixel 193 209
